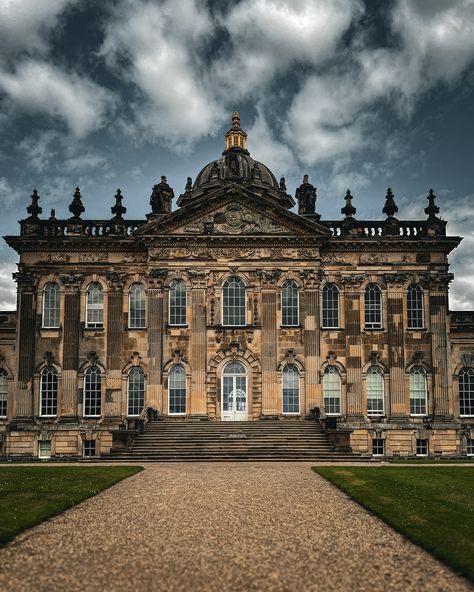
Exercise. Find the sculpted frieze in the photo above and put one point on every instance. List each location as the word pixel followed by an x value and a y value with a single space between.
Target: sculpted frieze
pixel 334 258
pixel 93 257
pixel 373 258
pixel 55 258
pixel 233 253
pixel 71 280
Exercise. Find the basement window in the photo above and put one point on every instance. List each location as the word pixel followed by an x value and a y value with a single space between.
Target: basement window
pixel 89 448
pixel 378 447
pixel 44 449
pixel 421 447
pixel 470 447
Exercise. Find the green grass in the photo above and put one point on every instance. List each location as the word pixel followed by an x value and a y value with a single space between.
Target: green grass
pixel 30 495
pixel 431 461
pixel 432 506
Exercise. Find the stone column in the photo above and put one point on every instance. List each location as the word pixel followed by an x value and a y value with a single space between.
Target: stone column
pixel 71 339
pixel 269 342
pixel 396 355
pixel 156 320
pixel 198 343
pixel 353 347
pixel 310 318
pixel 25 345
pixel 114 340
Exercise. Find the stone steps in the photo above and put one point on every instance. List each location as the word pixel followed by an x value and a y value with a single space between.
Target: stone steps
pixel 183 440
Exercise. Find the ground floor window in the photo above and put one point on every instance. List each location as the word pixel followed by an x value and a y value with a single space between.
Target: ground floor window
pixel 89 448
pixel 3 392
pixel 44 449
pixel 421 447
pixel 291 389
pixel 177 390
pixel 136 390
pixel 378 447
pixel 470 447
pixel 332 390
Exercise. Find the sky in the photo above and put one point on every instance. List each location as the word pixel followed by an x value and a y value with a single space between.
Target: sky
pixel 359 95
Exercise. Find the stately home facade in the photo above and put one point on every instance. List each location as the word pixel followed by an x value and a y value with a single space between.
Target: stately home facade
pixel 234 307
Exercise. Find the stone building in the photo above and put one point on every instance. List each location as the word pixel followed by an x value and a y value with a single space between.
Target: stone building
pixel 234 307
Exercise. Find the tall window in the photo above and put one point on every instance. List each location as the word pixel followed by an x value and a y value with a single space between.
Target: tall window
pixel 373 307
pixel 177 390
pixel 3 392
pixel 136 390
pixel 418 391
pixel 466 391
pixel 92 391
pixel 291 389
pixel 51 299
pixel 332 390
pixel 177 303
pixel 95 306
pixel 49 392
pixel 289 304
pixel 136 306
pixel 330 306
pixel 374 388
pixel 233 305
pixel 415 307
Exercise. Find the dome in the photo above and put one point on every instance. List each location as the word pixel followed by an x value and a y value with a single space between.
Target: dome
pixel 236 166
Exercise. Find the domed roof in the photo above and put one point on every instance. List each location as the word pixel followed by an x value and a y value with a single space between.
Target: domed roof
pixel 236 166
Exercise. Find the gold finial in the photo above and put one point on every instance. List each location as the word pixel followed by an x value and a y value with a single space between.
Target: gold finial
pixel 235 137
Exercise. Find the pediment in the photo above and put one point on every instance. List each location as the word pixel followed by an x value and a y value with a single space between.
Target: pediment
pixel 233 211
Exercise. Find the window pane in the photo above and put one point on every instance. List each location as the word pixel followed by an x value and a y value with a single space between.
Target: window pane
pixel 374 388
pixel 51 299
pixel 92 392
pixel 3 392
pixel 136 390
pixel 89 447
pixel 177 390
pixel 378 448
pixel 289 304
pixel 95 306
pixel 332 390
pixel 466 391
pixel 136 306
pixel 330 306
pixel 44 449
pixel 418 393
pixel 233 306
pixel 177 305
pixel 415 307
pixel 49 392
pixel 291 389
pixel 421 447
pixel 373 307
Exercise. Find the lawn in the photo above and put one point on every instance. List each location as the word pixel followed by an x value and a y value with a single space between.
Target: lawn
pixel 432 506
pixel 30 495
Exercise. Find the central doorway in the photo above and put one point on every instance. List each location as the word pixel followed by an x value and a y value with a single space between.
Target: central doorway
pixel 234 392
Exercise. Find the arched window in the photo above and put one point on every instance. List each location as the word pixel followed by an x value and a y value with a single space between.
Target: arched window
pixel 136 306
pixel 234 391
pixel 289 304
pixel 415 307
pixel 375 389
pixel 332 390
pixel 3 392
pixel 418 391
pixel 49 392
pixel 177 303
pixel 51 306
pixel 92 392
pixel 177 390
pixel 291 389
pixel 373 307
pixel 135 391
pixel 94 306
pixel 466 391
pixel 233 304
pixel 330 307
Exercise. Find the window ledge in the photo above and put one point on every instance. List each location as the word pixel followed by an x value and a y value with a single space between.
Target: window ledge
pixel 291 326
pixel 136 329
pixel 169 326
pixel 330 329
pixel 374 329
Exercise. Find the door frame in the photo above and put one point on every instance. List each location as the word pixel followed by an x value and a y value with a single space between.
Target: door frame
pixel 234 376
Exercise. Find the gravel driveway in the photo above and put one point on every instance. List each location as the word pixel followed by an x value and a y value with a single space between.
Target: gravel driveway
pixel 219 527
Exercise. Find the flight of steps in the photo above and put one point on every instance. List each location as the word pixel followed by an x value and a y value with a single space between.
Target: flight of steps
pixel 232 441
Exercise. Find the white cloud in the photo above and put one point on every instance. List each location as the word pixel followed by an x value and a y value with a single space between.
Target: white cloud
pixel 26 24
pixel 266 148
pixel 39 87
pixel 8 195
pixel 7 287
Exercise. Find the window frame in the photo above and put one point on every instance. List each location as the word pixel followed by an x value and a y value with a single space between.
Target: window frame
pixel 375 370
pixel 92 444
pixel 422 443
pixel 470 372
pixel 373 308
pixel 332 370
pixel 56 309
pixel 180 306
pixel 326 310
pixel 288 370
pixel 44 372
pixel 420 371
pixel 96 306
pixel 415 307
pixel 3 393
pixel 378 443
pixel 136 323
pixel 97 391
pixel 42 456
pixel 135 370
pixel 292 310
pixel 177 391
pixel 241 307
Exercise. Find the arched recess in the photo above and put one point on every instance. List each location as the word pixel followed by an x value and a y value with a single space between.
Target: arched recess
pixel 177 360
pixel 254 373
pixel 91 363
pixel 135 361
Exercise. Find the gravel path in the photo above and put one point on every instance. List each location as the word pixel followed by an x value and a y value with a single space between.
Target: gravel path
pixel 219 527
